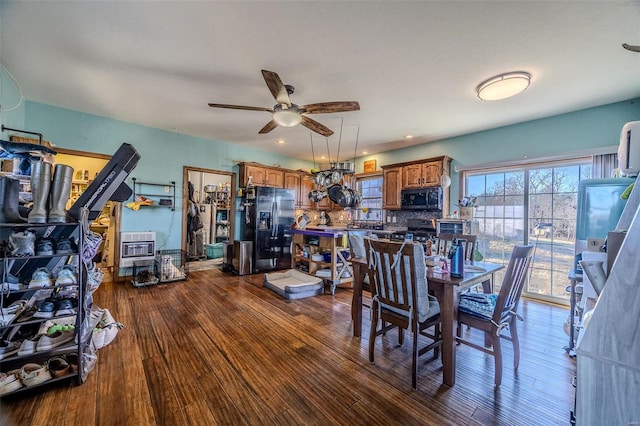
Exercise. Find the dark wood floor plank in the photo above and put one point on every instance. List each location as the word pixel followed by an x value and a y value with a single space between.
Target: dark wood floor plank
pixel 221 349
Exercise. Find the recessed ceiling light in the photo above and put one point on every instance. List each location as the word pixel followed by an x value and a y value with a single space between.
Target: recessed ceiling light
pixel 503 86
pixel 408 136
pixel 364 152
pixel 280 141
pixel 323 157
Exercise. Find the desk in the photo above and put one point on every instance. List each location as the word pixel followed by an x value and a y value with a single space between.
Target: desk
pixel 446 289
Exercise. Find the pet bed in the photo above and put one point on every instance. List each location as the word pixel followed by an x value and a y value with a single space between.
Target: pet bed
pixel 293 284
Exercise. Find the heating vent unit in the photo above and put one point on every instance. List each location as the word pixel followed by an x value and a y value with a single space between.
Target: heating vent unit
pixel 137 247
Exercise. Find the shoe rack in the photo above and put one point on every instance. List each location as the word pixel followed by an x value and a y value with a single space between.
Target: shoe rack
pixel 42 341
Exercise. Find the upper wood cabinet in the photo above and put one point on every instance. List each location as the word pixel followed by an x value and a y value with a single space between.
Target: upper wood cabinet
pixel 302 184
pixel 422 174
pixel 414 174
pixel 262 176
pixel 392 185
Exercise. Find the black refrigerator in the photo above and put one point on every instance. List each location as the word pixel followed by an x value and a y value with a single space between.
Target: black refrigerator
pixel 266 220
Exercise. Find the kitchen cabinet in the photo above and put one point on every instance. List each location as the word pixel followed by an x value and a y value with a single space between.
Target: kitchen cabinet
pixel 421 175
pixel 262 176
pixel 392 185
pixel 302 184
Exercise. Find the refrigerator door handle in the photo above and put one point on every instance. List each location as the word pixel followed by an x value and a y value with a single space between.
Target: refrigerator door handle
pixel 274 219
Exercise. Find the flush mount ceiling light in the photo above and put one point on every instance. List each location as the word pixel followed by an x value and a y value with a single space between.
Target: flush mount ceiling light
pixel 503 86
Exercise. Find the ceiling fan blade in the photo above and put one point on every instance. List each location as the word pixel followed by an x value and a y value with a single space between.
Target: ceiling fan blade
pixel 315 126
pixel 277 88
pixel 328 107
pixel 631 47
pixel 269 127
pixel 249 108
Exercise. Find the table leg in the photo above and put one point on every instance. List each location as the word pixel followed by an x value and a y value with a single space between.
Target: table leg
pixel 445 295
pixel 356 302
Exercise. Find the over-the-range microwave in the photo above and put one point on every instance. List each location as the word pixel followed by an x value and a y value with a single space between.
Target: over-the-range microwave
pixel 427 199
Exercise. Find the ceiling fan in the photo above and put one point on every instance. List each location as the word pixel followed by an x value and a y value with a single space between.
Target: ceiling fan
pixel 288 114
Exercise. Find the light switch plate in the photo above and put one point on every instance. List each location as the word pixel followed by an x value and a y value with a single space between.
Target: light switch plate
pixel 595 244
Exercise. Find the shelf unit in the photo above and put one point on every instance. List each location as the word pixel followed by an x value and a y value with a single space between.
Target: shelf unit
pixel 22 327
pixel 307 243
pixel 151 190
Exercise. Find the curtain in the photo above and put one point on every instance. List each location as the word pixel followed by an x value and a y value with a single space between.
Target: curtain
pixel 603 166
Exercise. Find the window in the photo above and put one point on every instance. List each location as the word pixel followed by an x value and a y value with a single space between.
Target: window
pixel 370 207
pixel 532 204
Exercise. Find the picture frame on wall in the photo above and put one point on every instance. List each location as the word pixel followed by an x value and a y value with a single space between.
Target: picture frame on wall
pixel 370 166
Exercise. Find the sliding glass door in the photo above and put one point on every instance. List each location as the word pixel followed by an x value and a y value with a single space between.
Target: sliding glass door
pixel 530 205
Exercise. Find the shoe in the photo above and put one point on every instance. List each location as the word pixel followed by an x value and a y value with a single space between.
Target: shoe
pixel 11 283
pixel 72 359
pixel 8 348
pixel 67 275
pixel 27 314
pixel 58 366
pixel 66 307
pixel 21 243
pixel 9 382
pixel 16 307
pixel 41 278
pixel 28 346
pixel 47 308
pixel 33 374
pixel 64 245
pixel 54 340
pixel 44 247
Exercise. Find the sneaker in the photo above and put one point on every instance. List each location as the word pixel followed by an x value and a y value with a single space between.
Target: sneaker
pixel 8 348
pixel 67 275
pixel 11 283
pixel 66 307
pixel 44 247
pixel 47 308
pixel 9 382
pixel 21 243
pixel 54 340
pixel 41 278
pixel 16 307
pixel 33 374
pixel 58 366
pixel 64 245
pixel 28 346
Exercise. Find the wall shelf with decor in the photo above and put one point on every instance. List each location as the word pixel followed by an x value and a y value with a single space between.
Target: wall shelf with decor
pixel 154 194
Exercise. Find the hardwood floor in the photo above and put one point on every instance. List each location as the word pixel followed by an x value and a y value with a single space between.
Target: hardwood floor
pixel 219 349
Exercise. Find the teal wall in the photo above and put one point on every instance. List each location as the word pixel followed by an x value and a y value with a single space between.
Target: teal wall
pixel 554 136
pixel 10 100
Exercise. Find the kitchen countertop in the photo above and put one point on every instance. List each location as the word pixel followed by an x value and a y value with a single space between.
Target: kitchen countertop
pixel 320 232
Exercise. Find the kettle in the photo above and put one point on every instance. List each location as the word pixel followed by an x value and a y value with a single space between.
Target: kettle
pixel 302 221
pixel 456 256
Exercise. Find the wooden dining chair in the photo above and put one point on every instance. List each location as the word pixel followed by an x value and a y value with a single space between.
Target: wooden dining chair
pixel 399 298
pixel 442 244
pixel 491 313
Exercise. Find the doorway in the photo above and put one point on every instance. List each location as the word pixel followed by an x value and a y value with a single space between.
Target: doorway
pixel 208 212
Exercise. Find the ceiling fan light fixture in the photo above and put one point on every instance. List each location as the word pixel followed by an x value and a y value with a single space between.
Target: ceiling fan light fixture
pixel 287 117
pixel 503 86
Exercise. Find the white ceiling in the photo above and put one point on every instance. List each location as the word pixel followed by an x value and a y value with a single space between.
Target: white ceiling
pixel 413 66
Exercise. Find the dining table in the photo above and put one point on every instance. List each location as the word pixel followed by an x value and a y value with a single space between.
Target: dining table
pixel 446 289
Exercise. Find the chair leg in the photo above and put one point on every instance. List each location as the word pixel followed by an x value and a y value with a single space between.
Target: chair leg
pixel 400 336
pixel 373 331
pixel 497 354
pixel 516 343
pixel 438 336
pixel 414 361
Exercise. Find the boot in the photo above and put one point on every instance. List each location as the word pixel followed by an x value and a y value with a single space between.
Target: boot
pixel 9 191
pixel 60 192
pixel 40 185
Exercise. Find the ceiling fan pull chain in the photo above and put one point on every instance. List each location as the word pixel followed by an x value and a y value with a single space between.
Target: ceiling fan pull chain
pixel 355 151
pixel 313 154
